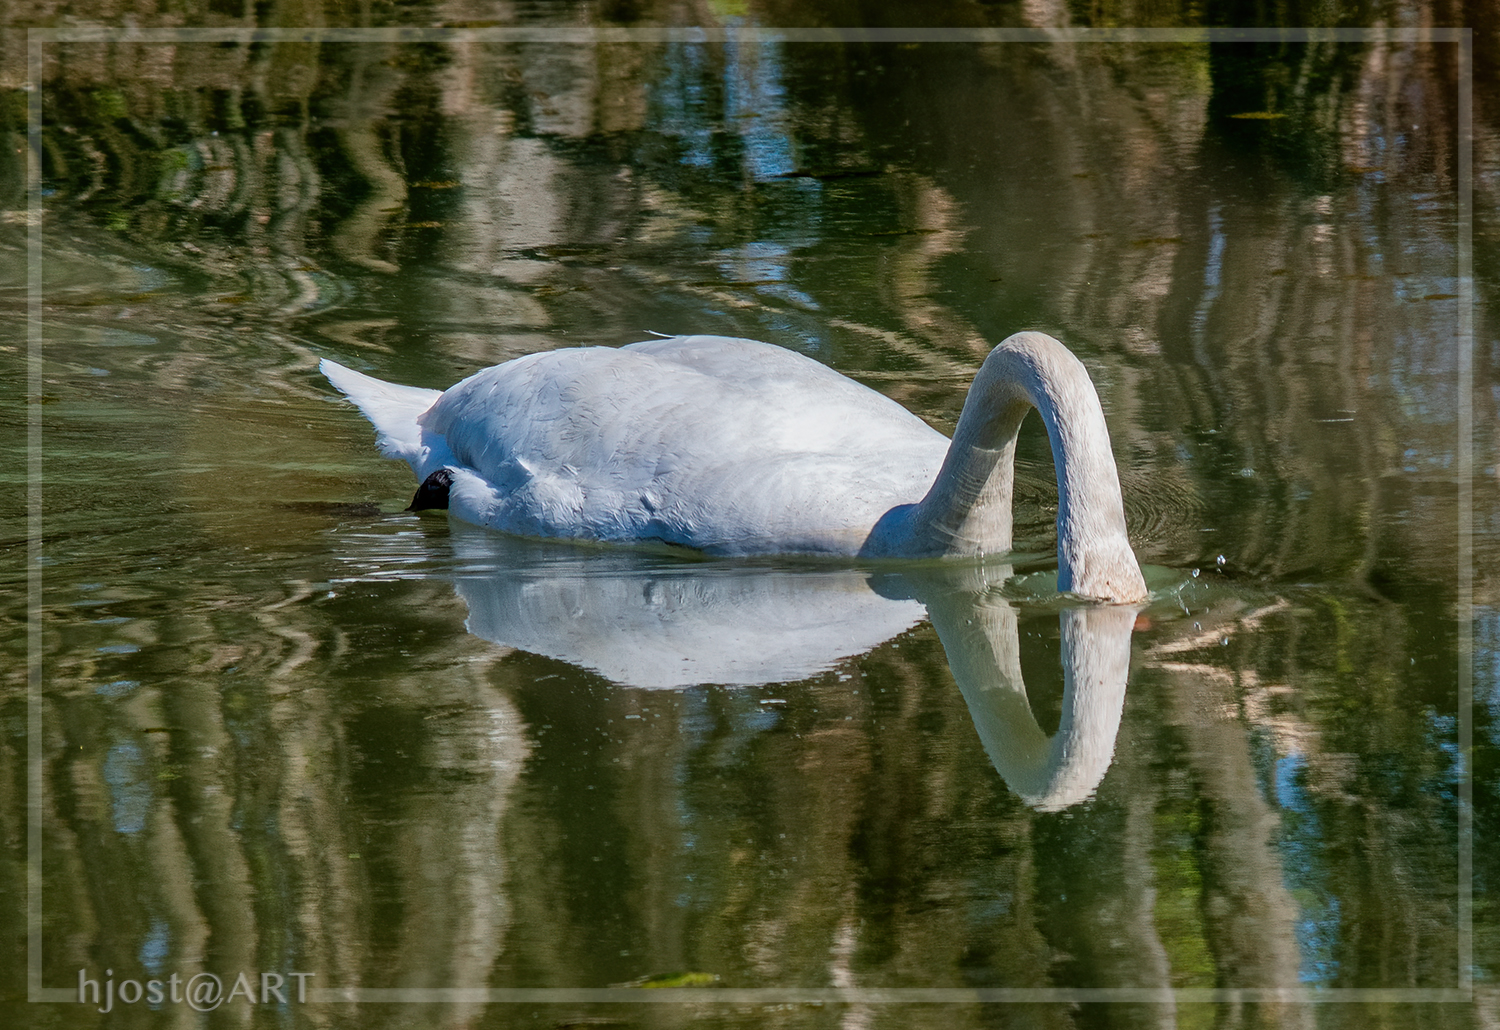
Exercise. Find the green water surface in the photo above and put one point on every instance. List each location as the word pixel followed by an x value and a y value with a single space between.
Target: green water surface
pixel 287 727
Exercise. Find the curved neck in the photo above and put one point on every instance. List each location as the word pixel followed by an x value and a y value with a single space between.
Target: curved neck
pixel 968 509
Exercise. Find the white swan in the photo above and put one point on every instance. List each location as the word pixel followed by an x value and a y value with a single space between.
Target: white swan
pixel 735 447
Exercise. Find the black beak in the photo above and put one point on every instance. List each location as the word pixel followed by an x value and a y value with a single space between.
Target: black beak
pixel 433 493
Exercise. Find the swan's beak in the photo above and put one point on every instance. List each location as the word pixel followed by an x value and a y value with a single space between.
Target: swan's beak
pixel 433 493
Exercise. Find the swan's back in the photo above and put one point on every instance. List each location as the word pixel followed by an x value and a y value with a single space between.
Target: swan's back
pixel 726 445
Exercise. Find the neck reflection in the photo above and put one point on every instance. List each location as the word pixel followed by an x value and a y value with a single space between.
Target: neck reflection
pixel 980 633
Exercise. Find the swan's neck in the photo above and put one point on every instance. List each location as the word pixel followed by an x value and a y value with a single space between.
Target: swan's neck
pixel 968 509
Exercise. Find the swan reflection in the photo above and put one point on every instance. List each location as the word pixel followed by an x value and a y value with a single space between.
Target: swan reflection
pixel 981 636
pixel 647 621
pixel 676 625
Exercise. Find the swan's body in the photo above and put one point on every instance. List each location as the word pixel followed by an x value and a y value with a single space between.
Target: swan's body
pixel 735 447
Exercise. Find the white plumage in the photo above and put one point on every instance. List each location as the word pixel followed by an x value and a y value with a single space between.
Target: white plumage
pixel 735 447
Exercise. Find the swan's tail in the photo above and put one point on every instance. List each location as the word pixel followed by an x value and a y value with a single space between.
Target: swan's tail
pixel 392 408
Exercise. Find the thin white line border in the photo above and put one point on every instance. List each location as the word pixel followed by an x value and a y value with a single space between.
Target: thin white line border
pixel 39 38
pixel 741 34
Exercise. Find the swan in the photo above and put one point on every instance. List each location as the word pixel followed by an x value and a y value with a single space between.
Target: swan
pixel 736 447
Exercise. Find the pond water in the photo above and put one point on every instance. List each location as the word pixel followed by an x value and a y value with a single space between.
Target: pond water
pixel 287 727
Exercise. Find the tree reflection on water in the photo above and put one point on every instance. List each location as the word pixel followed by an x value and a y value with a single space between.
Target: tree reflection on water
pixel 269 742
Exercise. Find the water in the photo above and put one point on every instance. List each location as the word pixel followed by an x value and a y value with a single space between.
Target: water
pixel 288 728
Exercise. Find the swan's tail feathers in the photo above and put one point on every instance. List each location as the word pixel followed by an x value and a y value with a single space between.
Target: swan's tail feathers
pixel 393 409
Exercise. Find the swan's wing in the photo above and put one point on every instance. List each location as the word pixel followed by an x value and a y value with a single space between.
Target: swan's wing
pixel 749 363
pixel 787 403
pixel 391 408
pixel 727 445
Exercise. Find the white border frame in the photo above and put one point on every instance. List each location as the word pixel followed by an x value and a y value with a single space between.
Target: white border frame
pixel 39 39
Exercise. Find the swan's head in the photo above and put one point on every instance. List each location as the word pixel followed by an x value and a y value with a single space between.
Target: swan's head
pixel 433 493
